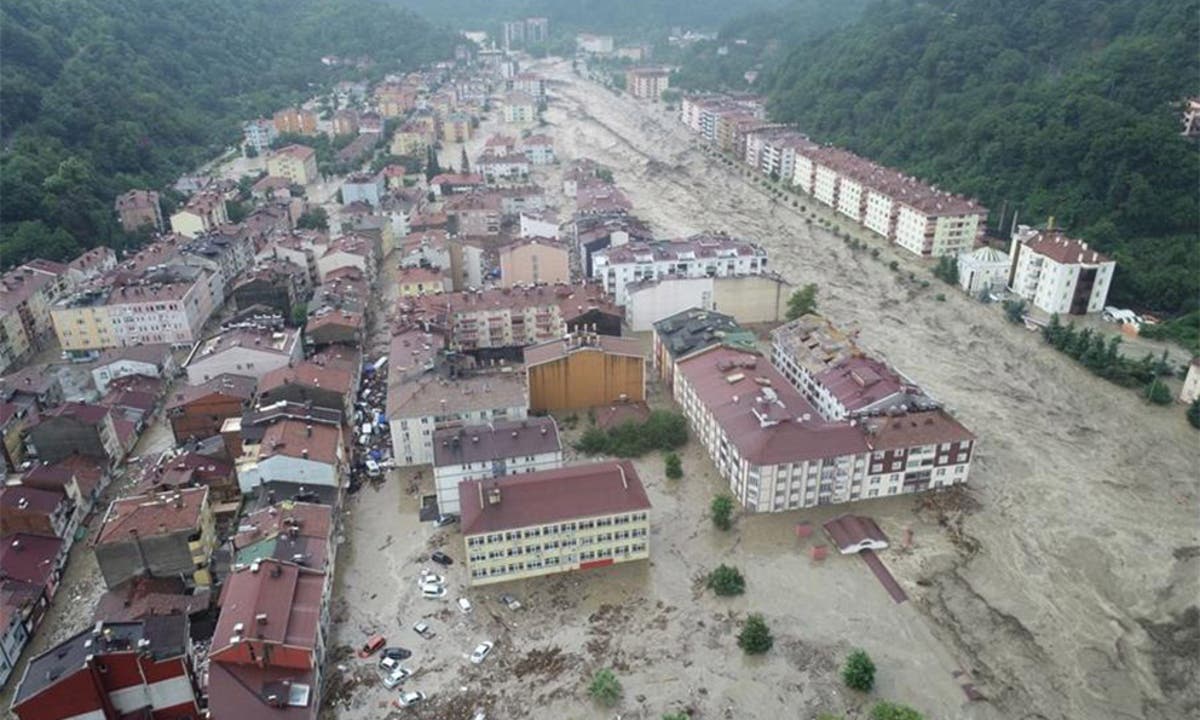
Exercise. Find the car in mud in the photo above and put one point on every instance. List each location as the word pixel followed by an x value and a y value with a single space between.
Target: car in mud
pixel 441 558
pixel 481 651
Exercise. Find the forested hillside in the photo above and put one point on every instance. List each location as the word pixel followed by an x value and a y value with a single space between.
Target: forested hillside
pixel 994 99
pixel 99 96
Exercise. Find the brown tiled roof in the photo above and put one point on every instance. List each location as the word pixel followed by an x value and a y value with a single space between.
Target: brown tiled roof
pixel 29 558
pixel 494 441
pixel 288 595
pixel 928 427
pixel 308 374
pixel 1065 250
pixel 579 491
pixel 849 531
pixel 141 596
pixel 82 412
pixel 294 438
pixel 30 499
pixel 552 350
pixel 150 515
pixel 238 386
pixel 300 152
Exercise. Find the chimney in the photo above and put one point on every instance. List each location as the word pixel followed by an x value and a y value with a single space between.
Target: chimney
pixel 308 430
pixel 493 494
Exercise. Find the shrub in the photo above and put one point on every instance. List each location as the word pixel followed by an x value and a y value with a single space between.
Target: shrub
pixel 1193 413
pixel 892 711
pixel 605 688
pixel 726 580
pixel 947 270
pixel 674 468
pixel 722 511
pixel 755 637
pixel 681 715
pixel 663 430
pixel 893 266
pixel 802 301
pixel 1014 310
pixel 940 297
pixel 859 672
pixel 1158 393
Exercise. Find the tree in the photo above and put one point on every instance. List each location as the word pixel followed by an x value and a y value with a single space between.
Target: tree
pixel 726 580
pixel 802 302
pixel 605 688
pixel 1158 393
pixel 463 161
pixel 1193 413
pixel 432 168
pixel 947 270
pixel 299 314
pixel 892 711
pixel 1014 310
pixel 605 175
pixel 859 671
pixel 681 715
pixel 674 469
pixel 755 637
pixel 314 219
pixel 722 511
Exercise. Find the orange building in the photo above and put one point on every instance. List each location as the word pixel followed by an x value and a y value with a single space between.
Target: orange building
pixel 584 370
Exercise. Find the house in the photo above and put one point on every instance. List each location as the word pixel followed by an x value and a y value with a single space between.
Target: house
pixel 268 648
pixel 114 669
pixel 481 452
pixel 297 163
pixel 520 107
pixel 161 535
pixel 141 598
pixel 747 298
pixel 696 256
pixel 310 383
pixel 329 326
pixel 35 387
pixel 1057 274
pixel 137 209
pixel 79 477
pixel 421 281
pixel 584 370
pixel 539 224
pixel 32 565
pixel 778 453
pixel 449 184
pixel 149 360
pixel 204 212
pixel 530 261
pixel 363 187
pixel 983 270
pixel 456 128
pixel 345 122
pixel 647 83
pixel 475 213
pixel 296 121
pixel 274 284
pixel 293 450
pixel 359 149
pixel 252 352
pixel 197 411
pixel 76 429
pixel 257 135
pixel 27 294
pixel 271 187
pixel 173 472
pixel 503 167
pixel 689 331
pixel 573 518
pixel 370 122
pixel 539 149
pixel 295 532
pixel 13 420
pixel 37 512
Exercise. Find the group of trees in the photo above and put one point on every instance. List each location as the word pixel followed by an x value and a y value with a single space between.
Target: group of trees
pixel 1104 358
pixel 663 430
pixel 802 302
pixel 100 97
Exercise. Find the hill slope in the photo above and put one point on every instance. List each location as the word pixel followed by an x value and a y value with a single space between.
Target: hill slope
pixel 1064 108
pixel 103 95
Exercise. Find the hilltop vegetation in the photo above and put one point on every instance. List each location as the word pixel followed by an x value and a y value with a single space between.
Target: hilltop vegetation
pixel 1063 108
pixel 103 95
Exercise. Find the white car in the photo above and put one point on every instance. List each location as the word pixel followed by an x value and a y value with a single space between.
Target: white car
pixel 482 650
pixel 395 677
pixel 423 629
pixel 428 578
pixel 464 605
pixel 409 699
pixel 433 592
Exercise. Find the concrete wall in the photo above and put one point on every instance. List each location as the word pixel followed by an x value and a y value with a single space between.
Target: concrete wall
pixel 586 378
pixel 751 298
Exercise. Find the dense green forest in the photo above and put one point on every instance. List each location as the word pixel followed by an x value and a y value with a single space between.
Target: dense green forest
pixel 99 96
pixel 1063 108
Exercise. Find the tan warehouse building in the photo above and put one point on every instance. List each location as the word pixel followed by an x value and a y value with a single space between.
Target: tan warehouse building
pixel 574 518
pixel 584 370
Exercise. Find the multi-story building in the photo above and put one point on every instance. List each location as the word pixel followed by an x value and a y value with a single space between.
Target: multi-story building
pixel 114 670
pixel 696 256
pixel 345 122
pixel 584 370
pixel 534 260
pixel 165 535
pixel 495 167
pixel 482 452
pixel 415 281
pixel 27 294
pixel 574 518
pixel 139 208
pixel 311 382
pixel 197 412
pixel 259 134
pixel 1058 274
pixel 594 44
pixel 272 284
pixel 302 451
pixel 362 187
pixel 297 163
pixel 456 128
pixel 409 140
pixel 687 332
pixel 297 121
pixel 476 213
pixel 777 453
pixel 539 149
pixel 519 107
pixel 204 212
pixel 647 83
pixel 76 429
pixel 148 360
pixel 747 298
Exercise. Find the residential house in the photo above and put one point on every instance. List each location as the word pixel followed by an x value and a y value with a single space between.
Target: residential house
pixel 137 209
pixel 450 184
pixel 273 284
pixel 345 122
pixel 482 452
pixel 198 411
pixel 297 163
pixel 76 429
pixel 175 472
pixel 32 565
pixel 1057 274
pixel 503 167
pixel 296 451
pixel 81 478
pixel 252 352
pixel 148 360
pixel 573 518
pixel 204 212
pixel 296 532
pixel 532 261
pixel 539 224
pixel 272 188
pixel 475 213
pixel 362 187
pixel 696 256
pixel 584 370
pixel 37 512
pixel 297 121
pixel 257 135
pixel 647 83
pixel 310 382
pixel 331 326
pixel 359 149
pixel 420 281
pixel 370 122
pixel 520 108
pixel 539 149
pixel 456 128
pixel 13 419
pixel 684 333
pixel 747 298
pixel 162 535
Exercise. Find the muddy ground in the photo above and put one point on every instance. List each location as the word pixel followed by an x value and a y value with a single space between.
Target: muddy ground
pixel 1062 584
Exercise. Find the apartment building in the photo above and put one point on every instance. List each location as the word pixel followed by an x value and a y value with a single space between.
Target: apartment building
pixel 697 256
pixel 251 352
pixel 198 411
pixel 297 163
pixel 163 535
pixel 345 122
pixel 476 213
pixel 363 187
pixel 530 83
pixel 27 294
pixel 296 121
pixel 534 260
pixel 457 128
pixel 257 135
pixel 139 208
pixel 584 370
pixel 778 453
pixel 170 306
pixel 496 449
pixel 147 360
pixel 495 167
pixel 539 149
pixel 204 212
pixel 305 451
pixel 1057 274
pixel 689 331
pixel 519 107
pixel 574 518
pixel 415 281
pixel 76 429
pixel 647 83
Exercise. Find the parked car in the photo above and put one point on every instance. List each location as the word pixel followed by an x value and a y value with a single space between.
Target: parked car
pixel 441 558
pixel 409 699
pixel 395 653
pixel 464 605
pixel 429 577
pixel 433 592
pixel 510 602
pixel 373 468
pixel 372 644
pixel 444 520
pixel 395 677
pixel 481 651
pixel 423 629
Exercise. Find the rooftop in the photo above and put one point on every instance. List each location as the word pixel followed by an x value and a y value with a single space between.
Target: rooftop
pixel 238 386
pixel 694 329
pixel 29 558
pixel 299 152
pixel 309 374
pixel 274 602
pixel 295 438
pixel 579 491
pixel 140 597
pixel 258 339
pixel 150 515
pixel 429 394
pixel 926 427
pixel 287 531
pixel 696 247
pixel 815 343
pixel 1062 249
pixel 552 350
pixel 494 441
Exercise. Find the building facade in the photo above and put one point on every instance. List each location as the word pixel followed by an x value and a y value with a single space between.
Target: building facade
pixel 1057 274
pixel 584 370
pixel 482 452
pixel 531 261
pixel 698 256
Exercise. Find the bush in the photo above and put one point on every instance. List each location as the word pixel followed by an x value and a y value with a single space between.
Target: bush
pixel 1193 413
pixel 940 297
pixel 605 688
pixel 859 672
pixel 947 270
pixel 674 468
pixel 1158 393
pixel 755 637
pixel 681 715
pixel 726 580
pixel 663 430
pixel 892 711
pixel 722 511
pixel 893 266
pixel 802 302
pixel 1014 310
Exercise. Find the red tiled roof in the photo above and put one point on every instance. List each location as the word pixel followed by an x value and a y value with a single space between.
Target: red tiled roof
pixel 238 386
pixel 240 691
pixel 927 427
pixel 30 499
pixel 1065 250
pixel 295 438
pixel 150 515
pixel 288 595
pixel 135 599
pixel 580 491
pixel 29 558
pixel 855 532
pixel 308 374
pixel 858 382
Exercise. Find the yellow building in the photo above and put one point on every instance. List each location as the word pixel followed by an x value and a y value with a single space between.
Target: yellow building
pixel 573 518
pixel 530 261
pixel 409 142
pixel 297 163
pixel 203 213
pixel 415 281
pixel 584 370
pixel 456 128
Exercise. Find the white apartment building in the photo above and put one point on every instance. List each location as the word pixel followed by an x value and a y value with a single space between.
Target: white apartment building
pixel 698 256
pixel 1057 274
pixel 483 452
